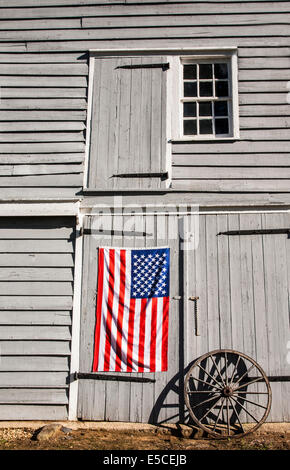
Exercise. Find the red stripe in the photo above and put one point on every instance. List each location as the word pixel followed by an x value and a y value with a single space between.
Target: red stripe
pixel 120 310
pixel 164 347
pixel 109 309
pixel 99 308
pixel 130 334
pixel 153 335
pixel 142 335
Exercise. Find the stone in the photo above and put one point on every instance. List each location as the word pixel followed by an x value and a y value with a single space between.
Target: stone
pixel 49 431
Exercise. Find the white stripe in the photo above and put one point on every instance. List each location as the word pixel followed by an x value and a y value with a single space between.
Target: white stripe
pixel 105 294
pixel 136 339
pixel 159 323
pixel 115 309
pixel 147 338
pixel 127 296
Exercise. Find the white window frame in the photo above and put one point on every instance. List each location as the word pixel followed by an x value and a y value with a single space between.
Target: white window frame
pixel 205 56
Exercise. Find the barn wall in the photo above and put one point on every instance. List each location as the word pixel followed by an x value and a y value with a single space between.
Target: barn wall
pixel 44 76
pixel 36 287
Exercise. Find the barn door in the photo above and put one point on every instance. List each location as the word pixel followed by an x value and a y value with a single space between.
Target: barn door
pixel 243 284
pixel 129 400
pixel 129 121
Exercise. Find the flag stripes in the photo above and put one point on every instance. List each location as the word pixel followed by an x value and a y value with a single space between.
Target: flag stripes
pixel 131 334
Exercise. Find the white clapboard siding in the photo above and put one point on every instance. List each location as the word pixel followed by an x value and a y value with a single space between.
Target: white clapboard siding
pixel 33 412
pixel 26 396
pixel 36 292
pixel 42 81
pixel 43 92
pixel 58 103
pixel 157 32
pixel 21 159
pixel 41 317
pixel 55 8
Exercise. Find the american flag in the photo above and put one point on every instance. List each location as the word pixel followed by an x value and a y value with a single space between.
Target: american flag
pixel 131 333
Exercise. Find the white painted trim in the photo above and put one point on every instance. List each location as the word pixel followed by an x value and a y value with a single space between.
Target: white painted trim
pixel 174 50
pixel 76 322
pixel 22 209
pixel 89 119
pixel 235 95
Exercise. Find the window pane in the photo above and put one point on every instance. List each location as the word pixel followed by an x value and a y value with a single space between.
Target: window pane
pixel 190 89
pixel 221 70
pixel 205 108
pixel 189 127
pixel 205 89
pixel 221 126
pixel 189 109
pixel 221 108
pixel 205 126
pixel 205 71
pixel 222 89
pixel 189 71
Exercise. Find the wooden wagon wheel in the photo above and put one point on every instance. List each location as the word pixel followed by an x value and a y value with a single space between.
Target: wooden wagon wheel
pixel 224 389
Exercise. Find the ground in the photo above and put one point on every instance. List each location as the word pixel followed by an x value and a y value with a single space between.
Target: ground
pixel 92 439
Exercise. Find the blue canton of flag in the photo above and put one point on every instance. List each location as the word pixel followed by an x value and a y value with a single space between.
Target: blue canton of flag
pixel 150 273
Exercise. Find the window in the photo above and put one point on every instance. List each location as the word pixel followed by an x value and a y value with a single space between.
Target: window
pixel 206 106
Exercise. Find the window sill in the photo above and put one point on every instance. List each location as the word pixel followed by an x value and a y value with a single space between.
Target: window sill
pixel 206 139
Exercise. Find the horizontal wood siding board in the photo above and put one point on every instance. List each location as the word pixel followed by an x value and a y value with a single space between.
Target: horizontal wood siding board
pixel 27 318
pixel 36 303
pixel 33 379
pixel 39 194
pixel 188 31
pixel 78 92
pixel 34 364
pixel 42 81
pixel 37 333
pixel 35 348
pixel 267 122
pixel 264 110
pixel 44 69
pixel 27 396
pixel 53 103
pixel 36 246
pixel 230 160
pixel 56 9
pixel 33 412
pixel 233 186
pixel 37 260
pixel 155 42
pixel 16 288
pixel 34 126
pixel 22 170
pixel 16 58
pixel 42 137
pixel 42 181
pixel 36 274
pixel 229 147
pixel 47 147
pixel 38 159
pixel 194 173
pixel 44 115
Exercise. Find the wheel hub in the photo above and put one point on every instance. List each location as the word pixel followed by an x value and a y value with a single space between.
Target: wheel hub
pixel 227 391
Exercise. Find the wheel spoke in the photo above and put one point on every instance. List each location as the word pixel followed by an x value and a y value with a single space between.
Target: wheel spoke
pixel 217 369
pixel 247 372
pixel 226 368
pixel 203 391
pixel 218 416
pixel 252 402
pixel 205 401
pixel 204 382
pixel 198 365
pixel 254 393
pixel 208 411
pixel 245 409
pixel 235 368
pixel 258 379
pixel 237 415
pixel 228 417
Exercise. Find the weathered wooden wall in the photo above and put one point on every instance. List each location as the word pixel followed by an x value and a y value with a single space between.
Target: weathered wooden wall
pixel 243 288
pixel 44 75
pixel 36 287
